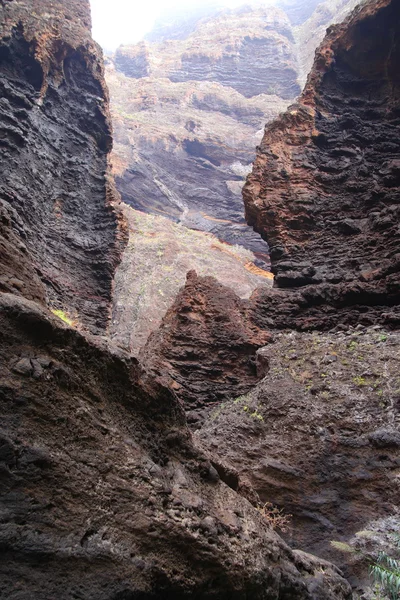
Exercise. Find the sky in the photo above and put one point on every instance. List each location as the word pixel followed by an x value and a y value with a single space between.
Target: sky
pixel 127 21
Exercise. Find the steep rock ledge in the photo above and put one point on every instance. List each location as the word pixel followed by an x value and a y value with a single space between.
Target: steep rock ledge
pixel 324 191
pixel 56 194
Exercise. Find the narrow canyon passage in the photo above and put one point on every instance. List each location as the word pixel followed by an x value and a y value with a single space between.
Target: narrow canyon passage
pixel 172 425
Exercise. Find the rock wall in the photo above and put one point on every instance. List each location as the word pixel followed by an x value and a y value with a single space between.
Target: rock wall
pixel 56 193
pixel 324 190
pixel 188 112
pixel 102 492
pixel 319 437
pixel 189 106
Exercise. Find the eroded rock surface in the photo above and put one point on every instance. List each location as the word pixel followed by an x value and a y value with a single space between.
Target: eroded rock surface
pixel 205 349
pixel 102 493
pixel 320 435
pixel 55 192
pixel 324 191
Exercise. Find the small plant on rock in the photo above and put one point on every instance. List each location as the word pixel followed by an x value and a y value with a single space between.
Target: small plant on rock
pixel 275 516
pixel 386 573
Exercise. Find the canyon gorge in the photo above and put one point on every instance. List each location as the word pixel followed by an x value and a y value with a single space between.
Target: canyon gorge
pixel 159 387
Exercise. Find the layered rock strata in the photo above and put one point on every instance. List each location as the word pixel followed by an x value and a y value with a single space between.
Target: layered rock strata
pixel 56 195
pixel 319 435
pixel 324 190
pixel 189 105
pixel 102 492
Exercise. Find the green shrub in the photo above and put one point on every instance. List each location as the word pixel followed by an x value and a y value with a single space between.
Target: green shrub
pixel 386 573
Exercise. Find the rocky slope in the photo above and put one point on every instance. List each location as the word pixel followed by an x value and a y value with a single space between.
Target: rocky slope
pixel 319 436
pixel 206 345
pixel 158 255
pixel 186 132
pixel 102 492
pixel 55 126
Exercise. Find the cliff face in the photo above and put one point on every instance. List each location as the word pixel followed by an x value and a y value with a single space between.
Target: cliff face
pixel 102 492
pixel 189 105
pixel 319 435
pixel 188 113
pixel 248 49
pixel 324 190
pixel 56 196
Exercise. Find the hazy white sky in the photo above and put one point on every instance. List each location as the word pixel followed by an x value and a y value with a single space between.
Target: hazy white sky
pixel 126 21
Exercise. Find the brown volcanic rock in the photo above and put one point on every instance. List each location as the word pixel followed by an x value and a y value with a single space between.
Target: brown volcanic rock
pixel 324 191
pixel 102 493
pixel 54 148
pixel 185 113
pixel 319 436
pixel 205 348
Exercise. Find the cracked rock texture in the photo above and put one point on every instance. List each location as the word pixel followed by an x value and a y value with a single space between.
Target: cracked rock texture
pixel 319 435
pixel 55 192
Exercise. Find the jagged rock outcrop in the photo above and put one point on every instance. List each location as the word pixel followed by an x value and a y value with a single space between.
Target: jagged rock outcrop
pixel 324 191
pixel 205 349
pixel 102 492
pixel 309 33
pixel 153 268
pixel 55 191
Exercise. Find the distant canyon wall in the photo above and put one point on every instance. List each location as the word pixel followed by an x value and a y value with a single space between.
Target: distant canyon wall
pixel 190 103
